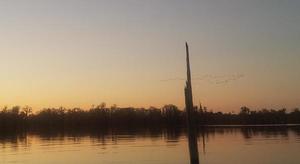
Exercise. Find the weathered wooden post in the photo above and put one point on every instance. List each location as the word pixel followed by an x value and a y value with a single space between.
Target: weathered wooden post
pixel 191 126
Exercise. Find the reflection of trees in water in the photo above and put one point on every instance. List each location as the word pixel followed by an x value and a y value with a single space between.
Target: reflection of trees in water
pixel 17 139
pixel 14 140
pixel 267 132
pixel 172 135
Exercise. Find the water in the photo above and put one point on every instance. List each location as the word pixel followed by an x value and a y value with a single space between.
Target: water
pixel 246 145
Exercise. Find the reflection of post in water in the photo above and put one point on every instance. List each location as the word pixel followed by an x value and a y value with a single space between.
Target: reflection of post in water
pixel 192 137
pixel 203 141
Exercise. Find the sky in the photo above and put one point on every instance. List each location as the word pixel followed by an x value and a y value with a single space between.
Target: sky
pixel 79 53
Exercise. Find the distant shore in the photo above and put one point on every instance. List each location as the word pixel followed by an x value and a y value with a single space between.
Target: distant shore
pixel 168 116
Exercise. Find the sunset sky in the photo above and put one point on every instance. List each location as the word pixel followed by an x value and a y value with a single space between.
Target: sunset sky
pixel 76 53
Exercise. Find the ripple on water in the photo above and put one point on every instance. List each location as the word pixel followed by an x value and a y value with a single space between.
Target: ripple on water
pixel 215 146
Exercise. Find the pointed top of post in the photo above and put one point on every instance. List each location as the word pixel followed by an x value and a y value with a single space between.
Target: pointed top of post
pixel 188 63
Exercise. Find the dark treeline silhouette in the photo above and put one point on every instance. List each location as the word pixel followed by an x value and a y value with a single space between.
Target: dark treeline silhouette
pixel 168 116
pixel 247 116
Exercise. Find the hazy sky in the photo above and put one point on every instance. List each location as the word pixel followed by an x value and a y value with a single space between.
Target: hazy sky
pixel 76 53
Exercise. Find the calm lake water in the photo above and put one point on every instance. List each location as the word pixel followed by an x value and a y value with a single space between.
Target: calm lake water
pixel 262 145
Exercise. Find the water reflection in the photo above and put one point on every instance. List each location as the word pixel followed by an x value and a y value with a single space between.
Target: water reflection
pixel 148 145
pixel 168 135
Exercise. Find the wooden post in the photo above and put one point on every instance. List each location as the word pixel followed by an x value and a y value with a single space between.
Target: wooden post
pixel 191 127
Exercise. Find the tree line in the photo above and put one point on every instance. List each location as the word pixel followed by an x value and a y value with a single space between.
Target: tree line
pixel 169 115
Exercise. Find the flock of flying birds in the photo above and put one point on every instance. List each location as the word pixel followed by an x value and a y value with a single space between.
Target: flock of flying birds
pixel 213 79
